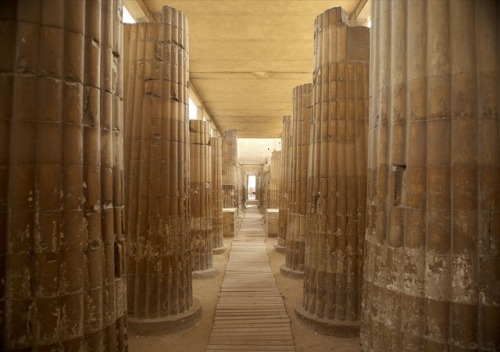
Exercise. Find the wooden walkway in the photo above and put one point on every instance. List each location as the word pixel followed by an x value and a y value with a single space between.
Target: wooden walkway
pixel 250 314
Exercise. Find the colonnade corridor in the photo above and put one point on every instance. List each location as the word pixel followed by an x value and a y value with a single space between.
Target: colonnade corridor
pixel 250 314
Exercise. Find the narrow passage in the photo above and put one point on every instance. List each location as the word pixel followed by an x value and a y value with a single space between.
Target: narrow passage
pixel 250 314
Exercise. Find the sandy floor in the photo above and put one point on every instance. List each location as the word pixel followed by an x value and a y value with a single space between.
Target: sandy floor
pixel 306 339
pixel 196 338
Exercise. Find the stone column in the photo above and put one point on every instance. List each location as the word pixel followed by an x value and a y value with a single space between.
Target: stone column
pixel 284 180
pixel 229 164
pixel 62 270
pixel 432 253
pixel 243 186
pixel 200 193
pixel 274 179
pixel 297 208
pixel 264 187
pixel 337 177
pixel 216 198
pixel 239 189
pixel 159 277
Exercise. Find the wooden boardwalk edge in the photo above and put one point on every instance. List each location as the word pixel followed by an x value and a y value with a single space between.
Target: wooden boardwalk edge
pixel 250 314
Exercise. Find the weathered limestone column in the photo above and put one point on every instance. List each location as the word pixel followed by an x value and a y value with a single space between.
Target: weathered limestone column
pixel 216 198
pixel 297 204
pixel 239 189
pixel 229 164
pixel 242 186
pixel 200 194
pixel 62 269
pixel 337 177
pixel 432 253
pixel 274 179
pixel 263 187
pixel 284 182
pixel 159 277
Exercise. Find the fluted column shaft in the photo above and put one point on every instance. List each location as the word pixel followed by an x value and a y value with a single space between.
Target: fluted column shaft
pixel 157 169
pixel 229 164
pixel 297 208
pixel 62 270
pixel 337 176
pixel 274 180
pixel 284 180
pixel 432 254
pixel 200 194
pixel 264 187
pixel 217 202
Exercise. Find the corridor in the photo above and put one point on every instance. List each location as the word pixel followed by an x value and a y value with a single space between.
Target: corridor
pixel 250 314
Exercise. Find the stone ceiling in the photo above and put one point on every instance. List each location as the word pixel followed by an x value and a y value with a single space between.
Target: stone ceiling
pixel 247 55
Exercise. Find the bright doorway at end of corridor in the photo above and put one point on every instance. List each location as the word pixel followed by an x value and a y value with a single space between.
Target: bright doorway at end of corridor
pixel 252 183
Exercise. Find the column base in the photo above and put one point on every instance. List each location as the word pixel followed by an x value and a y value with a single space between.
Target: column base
pixel 205 274
pixel 279 249
pixel 339 328
pixel 219 250
pixel 294 274
pixel 166 325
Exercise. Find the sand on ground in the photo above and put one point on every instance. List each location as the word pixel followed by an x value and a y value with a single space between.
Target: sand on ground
pixel 195 339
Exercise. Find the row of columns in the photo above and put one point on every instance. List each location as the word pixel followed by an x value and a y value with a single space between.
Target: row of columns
pixel 100 210
pixel 420 174
pixel 430 253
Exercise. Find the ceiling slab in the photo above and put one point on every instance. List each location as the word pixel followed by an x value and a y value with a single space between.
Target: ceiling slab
pixel 246 56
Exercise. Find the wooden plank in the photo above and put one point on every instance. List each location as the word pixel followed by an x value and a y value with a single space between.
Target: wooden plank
pixel 250 314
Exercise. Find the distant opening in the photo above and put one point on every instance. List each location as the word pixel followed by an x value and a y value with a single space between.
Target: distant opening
pixel 252 184
pixel 127 17
pixel 193 110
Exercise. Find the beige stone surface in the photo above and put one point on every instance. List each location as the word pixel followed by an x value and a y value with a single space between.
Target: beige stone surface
pixel 62 240
pixel 200 195
pixel 196 338
pixel 336 190
pixel 216 199
pixel 433 172
pixel 297 208
pixel 157 151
